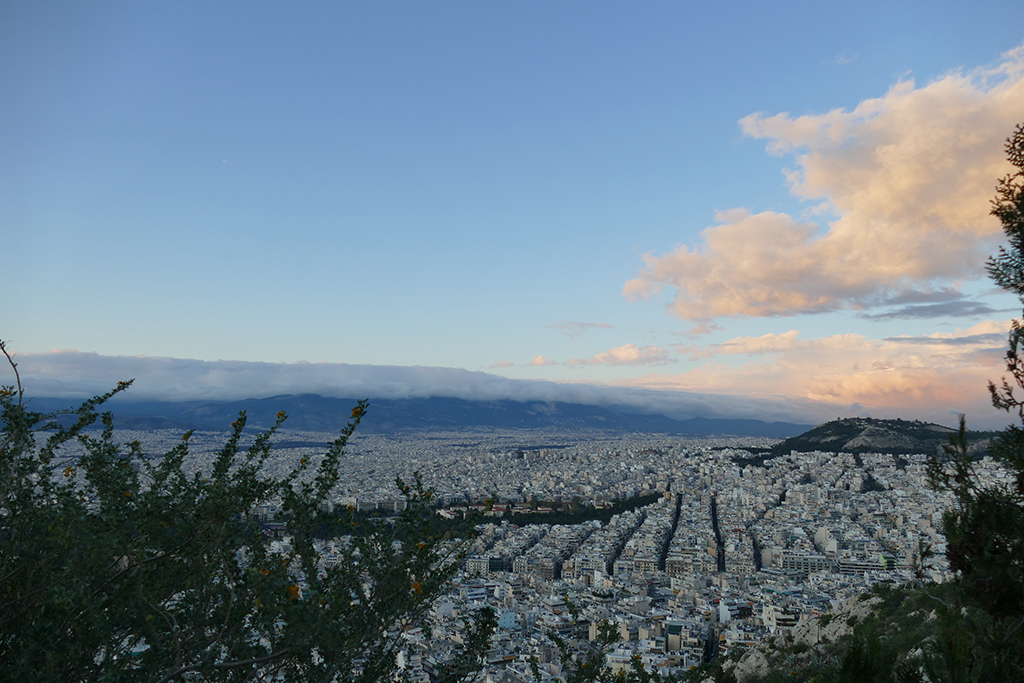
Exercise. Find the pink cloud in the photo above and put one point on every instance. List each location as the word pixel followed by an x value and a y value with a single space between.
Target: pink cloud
pixel 903 376
pixel 907 177
pixel 702 328
pixel 629 354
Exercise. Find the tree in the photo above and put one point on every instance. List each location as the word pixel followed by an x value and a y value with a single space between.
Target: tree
pixel 115 565
pixel 984 528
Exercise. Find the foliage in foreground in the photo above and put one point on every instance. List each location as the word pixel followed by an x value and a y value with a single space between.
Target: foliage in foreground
pixel 115 565
pixel 914 633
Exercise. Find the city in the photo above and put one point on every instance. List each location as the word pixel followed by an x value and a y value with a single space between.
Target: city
pixel 523 342
pixel 730 554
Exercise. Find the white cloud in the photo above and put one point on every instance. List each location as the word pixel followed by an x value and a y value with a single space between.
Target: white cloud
pixel 842 59
pixel 629 354
pixel 908 177
pixel 74 375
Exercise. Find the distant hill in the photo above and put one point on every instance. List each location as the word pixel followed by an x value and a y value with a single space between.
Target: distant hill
pixel 867 435
pixel 312 412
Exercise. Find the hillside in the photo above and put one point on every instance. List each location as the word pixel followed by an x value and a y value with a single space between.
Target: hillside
pixel 868 435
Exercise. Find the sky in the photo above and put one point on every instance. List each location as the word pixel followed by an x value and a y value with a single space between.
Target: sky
pixel 769 210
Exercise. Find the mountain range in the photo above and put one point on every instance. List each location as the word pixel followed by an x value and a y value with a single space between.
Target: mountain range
pixel 312 412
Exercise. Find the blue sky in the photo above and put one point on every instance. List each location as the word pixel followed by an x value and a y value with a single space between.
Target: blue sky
pixel 783 201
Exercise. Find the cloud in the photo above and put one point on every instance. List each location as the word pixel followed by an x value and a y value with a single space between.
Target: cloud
pixel 630 354
pixel 75 375
pixel 502 364
pixel 576 329
pixel 988 333
pixel 766 343
pixel 907 177
pixel 912 377
pixel 923 296
pixel 773 344
pixel 842 59
pixel 540 360
pixel 702 328
pixel 987 339
pixel 767 377
pixel 946 309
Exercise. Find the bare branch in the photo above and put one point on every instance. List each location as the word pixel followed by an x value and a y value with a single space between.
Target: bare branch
pixel 14 367
pixel 225 665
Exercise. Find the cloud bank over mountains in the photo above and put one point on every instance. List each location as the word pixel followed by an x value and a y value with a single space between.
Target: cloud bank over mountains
pixel 902 185
pixel 927 377
pixel 73 374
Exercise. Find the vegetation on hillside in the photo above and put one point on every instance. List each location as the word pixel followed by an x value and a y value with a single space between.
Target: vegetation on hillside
pixel 869 435
pixel 907 634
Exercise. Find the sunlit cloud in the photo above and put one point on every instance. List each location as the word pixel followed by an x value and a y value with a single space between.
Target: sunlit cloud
pixel 769 344
pixel 702 328
pixel 629 354
pixel 922 376
pixel 906 177
pixel 766 343
pixel 540 360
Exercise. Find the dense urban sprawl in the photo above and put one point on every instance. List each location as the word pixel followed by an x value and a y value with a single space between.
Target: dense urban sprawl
pixel 726 557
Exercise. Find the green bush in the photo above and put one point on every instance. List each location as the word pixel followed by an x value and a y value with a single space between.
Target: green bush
pixel 116 565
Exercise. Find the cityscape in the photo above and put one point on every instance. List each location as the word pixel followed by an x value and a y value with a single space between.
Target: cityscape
pixel 532 342
pixel 730 553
